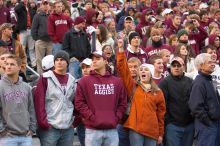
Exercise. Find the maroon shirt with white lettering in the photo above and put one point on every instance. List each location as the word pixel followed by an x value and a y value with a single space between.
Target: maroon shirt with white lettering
pixel 150 50
pixel 58 25
pixel 101 100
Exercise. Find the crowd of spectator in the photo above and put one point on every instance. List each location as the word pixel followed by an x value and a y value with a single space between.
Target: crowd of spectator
pixel 123 72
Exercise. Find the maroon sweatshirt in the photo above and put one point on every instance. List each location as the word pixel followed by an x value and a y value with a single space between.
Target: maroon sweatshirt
pixel 143 26
pixel 196 39
pixel 5 15
pixel 141 55
pixel 58 25
pixel 171 30
pixel 101 100
pixel 150 50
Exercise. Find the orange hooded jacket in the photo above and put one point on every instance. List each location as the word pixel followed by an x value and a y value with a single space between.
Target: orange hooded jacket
pixel 147 111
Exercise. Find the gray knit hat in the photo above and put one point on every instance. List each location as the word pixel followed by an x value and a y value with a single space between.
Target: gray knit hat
pixel 62 54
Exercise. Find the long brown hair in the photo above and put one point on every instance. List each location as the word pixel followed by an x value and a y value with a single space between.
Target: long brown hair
pixel 103 36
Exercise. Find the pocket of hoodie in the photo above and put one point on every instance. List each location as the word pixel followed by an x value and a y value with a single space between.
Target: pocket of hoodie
pixel 105 119
pixel 18 121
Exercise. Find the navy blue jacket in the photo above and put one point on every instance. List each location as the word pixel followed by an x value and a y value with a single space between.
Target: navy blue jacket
pixel 204 99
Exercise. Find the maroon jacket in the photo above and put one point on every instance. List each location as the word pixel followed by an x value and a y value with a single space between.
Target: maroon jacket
pixel 58 25
pixel 196 39
pixel 141 55
pixel 205 25
pixel 171 30
pixel 5 15
pixel 157 80
pixel 143 26
pixel 101 100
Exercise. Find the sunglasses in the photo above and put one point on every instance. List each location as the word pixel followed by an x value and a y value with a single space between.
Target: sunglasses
pixel 176 65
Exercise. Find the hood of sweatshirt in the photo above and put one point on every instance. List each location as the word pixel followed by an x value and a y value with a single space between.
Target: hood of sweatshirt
pixel 143 20
pixel 89 14
pixel 9 82
pixel 107 73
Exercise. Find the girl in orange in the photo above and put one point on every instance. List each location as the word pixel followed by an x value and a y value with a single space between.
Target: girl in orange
pixel 146 116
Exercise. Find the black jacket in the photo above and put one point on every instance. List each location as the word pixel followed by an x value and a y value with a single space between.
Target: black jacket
pixel 21 13
pixel 176 91
pixel 39 27
pixel 77 44
pixel 204 99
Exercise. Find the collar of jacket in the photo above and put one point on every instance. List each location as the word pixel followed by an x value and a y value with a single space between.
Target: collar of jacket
pixel 9 82
pixel 208 77
pixel 74 31
pixel 177 77
pixel 42 13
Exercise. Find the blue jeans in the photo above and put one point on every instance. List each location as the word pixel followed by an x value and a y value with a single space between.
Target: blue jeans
pixel 123 134
pixel 137 139
pixel 81 134
pixel 56 48
pixel 207 135
pixel 27 40
pixel 107 137
pixel 179 136
pixel 16 141
pixel 56 137
pixel 75 70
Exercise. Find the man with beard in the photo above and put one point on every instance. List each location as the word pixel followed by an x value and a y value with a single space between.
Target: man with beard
pixel 157 44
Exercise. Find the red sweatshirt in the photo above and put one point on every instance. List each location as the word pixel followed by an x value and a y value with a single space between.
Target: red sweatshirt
pixel 101 100
pixel 58 25
pixel 5 15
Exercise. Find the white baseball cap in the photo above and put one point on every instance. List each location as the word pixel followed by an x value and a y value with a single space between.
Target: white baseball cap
pixel 166 11
pixel 203 6
pixel 86 61
pixel 47 62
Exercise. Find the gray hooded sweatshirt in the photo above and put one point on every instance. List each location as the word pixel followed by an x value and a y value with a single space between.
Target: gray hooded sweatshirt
pixel 17 114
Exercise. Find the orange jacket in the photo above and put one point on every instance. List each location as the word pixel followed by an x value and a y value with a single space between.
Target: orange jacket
pixel 147 110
